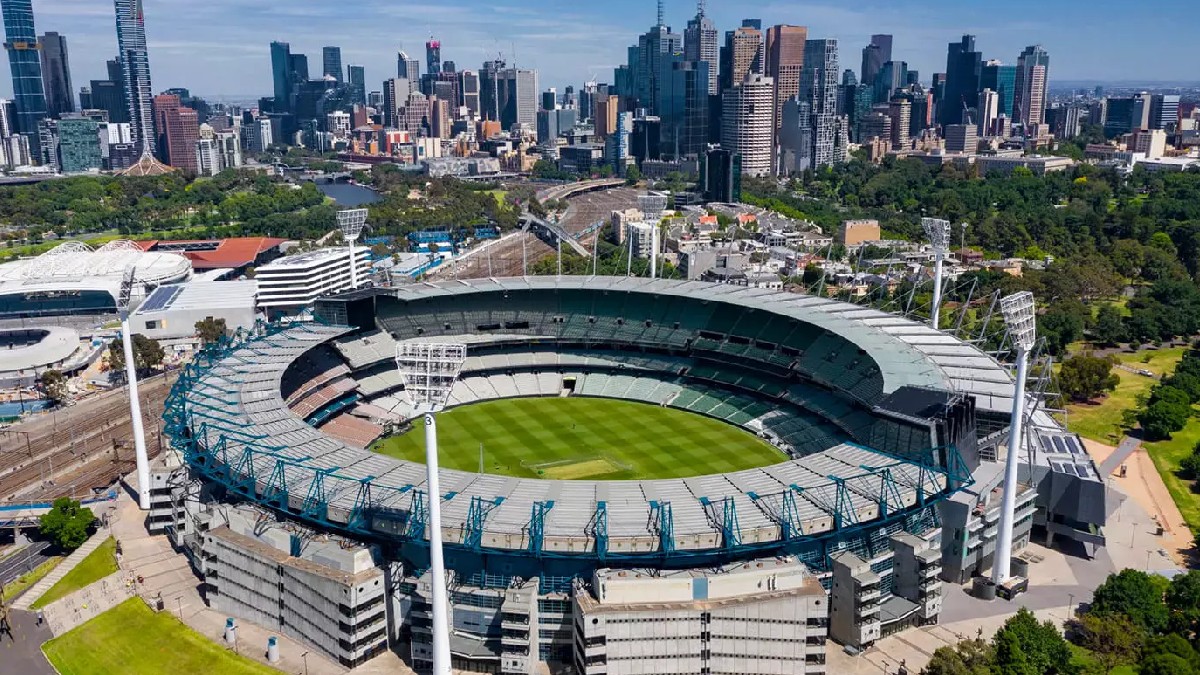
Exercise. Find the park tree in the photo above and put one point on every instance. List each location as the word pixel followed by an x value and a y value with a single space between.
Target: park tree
pixel 1083 377
pixel 632 174
pixel 210 330
pixel 969 657
pixel 1110 326
pixel 1024 646
pixel 1112 638
pixel 1169 654
pixel 1061 325
pixel 1183 601
pixel 54 385
pixel 66 524
pixel 1135 594
pixel 147 353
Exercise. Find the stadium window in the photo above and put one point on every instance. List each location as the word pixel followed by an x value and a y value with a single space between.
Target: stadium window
pixel 649 323
pixel 591 319
pixel 445 326
pixel 420 331
pixel 620 322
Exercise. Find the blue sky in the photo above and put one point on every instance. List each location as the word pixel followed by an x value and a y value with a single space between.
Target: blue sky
pixel 220 47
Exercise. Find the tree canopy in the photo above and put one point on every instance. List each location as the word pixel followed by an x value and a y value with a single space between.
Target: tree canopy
pixel 66 524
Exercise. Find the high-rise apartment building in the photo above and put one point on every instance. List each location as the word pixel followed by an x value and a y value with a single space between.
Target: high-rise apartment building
pixel 395 96
pixel 179 129
pixel 900 110
pixel 331 60
pixel 874 55
pixel 29 97
pixel 964 66
pixel 1164 111
pixel 741 55
pixel 1033 70
pixel 891 78
pixel 700 44
pixel 784 62
pixel 1001 79
pixel 56 75
pixel 489 90
pixel 78 145
pixel 8 118
pixel 135 66
pixel 1142 103
pixel 818 88
pixel 604 118
pixel 407 67
pixel 747 123
pixel 208 157
pixel 356 77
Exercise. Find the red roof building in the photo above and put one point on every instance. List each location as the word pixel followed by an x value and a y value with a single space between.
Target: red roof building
pixel 211 254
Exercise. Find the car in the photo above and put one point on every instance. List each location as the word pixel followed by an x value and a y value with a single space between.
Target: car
pixel 1146 373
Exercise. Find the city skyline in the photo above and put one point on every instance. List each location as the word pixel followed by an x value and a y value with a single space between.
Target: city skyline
pixel 572 47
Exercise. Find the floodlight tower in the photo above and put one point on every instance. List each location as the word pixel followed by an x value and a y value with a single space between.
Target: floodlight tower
pixel 135 404
pixel 428 371
pixel 938 232
pixel 652 207
pixel 351 222
pixel 1018 310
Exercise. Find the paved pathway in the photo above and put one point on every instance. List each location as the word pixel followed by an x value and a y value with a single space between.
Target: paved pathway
pixel 28 597
pixel 21 651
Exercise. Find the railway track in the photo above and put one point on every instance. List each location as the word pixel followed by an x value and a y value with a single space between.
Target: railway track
pixel 86 445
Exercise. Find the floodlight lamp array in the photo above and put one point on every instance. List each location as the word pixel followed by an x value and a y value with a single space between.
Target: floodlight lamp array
pixel 652 206
pixel 938 232
pixel 351 222
pixel 1019 316
pixel 429 370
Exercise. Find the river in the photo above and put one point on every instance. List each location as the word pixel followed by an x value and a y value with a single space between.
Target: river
pixel 348 195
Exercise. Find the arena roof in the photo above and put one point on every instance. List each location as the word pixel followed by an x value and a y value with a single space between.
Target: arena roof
pixel 55 345
pixel 73 266
pixel 208 254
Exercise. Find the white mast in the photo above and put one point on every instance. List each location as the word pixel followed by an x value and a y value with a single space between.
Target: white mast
pixel 1018 310
pixel 135 404
pixel 428 372
pixel 938 232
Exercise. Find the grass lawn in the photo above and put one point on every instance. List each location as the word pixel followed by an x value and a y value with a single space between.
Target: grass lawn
pixel 23 582
pixel 499 195
pixel 97 565
pixel 584 438
pixel 1102 421
pixel 133 640
pixel 1166 456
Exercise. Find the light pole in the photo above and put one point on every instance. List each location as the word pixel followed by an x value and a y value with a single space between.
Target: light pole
pixel 428 371
pixel 135 405
pixel 652 207
pixel 1018 310
pixel 938 232
pixel 351 222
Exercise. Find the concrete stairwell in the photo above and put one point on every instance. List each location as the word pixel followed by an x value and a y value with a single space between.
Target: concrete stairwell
pixel 30 596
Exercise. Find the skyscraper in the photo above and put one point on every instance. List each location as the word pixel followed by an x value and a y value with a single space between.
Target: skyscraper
pixel 78 145
pixel 891 78
pixel 741 55
pixel 646 58
pixel 407 67
pixel 964 68
pixel 356 77
pixel 56 75
pixel 178 129
pixel 747 123
pixel 29 97
pixel 1164 111
pixel 135 65
pixel 818 89
pixel 874 55
pixel 433 56
pixel 700 44
pixel 331 58
pixel 468 87
pixel 1001 79
pixel 683 106
pixel 518 98
pixel 1033 71
pixel 489 90
pixel 281 67
pixel 784 62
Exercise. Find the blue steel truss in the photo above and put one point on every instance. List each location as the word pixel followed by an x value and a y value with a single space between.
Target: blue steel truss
pixel 537 526
pixel 257 468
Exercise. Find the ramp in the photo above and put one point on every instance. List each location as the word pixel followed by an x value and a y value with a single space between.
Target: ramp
pixel 1127 447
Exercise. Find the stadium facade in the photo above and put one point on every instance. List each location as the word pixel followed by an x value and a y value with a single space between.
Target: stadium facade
pixel 887 482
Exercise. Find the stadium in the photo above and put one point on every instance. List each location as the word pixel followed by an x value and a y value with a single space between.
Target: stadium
pixel 871 475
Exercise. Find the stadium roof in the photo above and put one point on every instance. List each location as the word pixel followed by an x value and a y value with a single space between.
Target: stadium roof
pixel 75 266
pixel 208 254
pixel 56 345
pixel 201 295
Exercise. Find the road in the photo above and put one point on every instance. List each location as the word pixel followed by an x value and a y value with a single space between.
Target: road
pixel 23 561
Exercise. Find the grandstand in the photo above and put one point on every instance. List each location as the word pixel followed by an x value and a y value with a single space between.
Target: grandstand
pixel 881 425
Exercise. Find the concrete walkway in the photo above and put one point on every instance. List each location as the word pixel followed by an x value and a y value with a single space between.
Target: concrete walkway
pixel 30 596
pixel 88 602
pixel 21 651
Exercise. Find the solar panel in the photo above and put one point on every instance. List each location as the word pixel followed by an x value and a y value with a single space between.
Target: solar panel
pixel 161 298
pixel 1082 470
pixel 1073 445
pixel 1058 443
